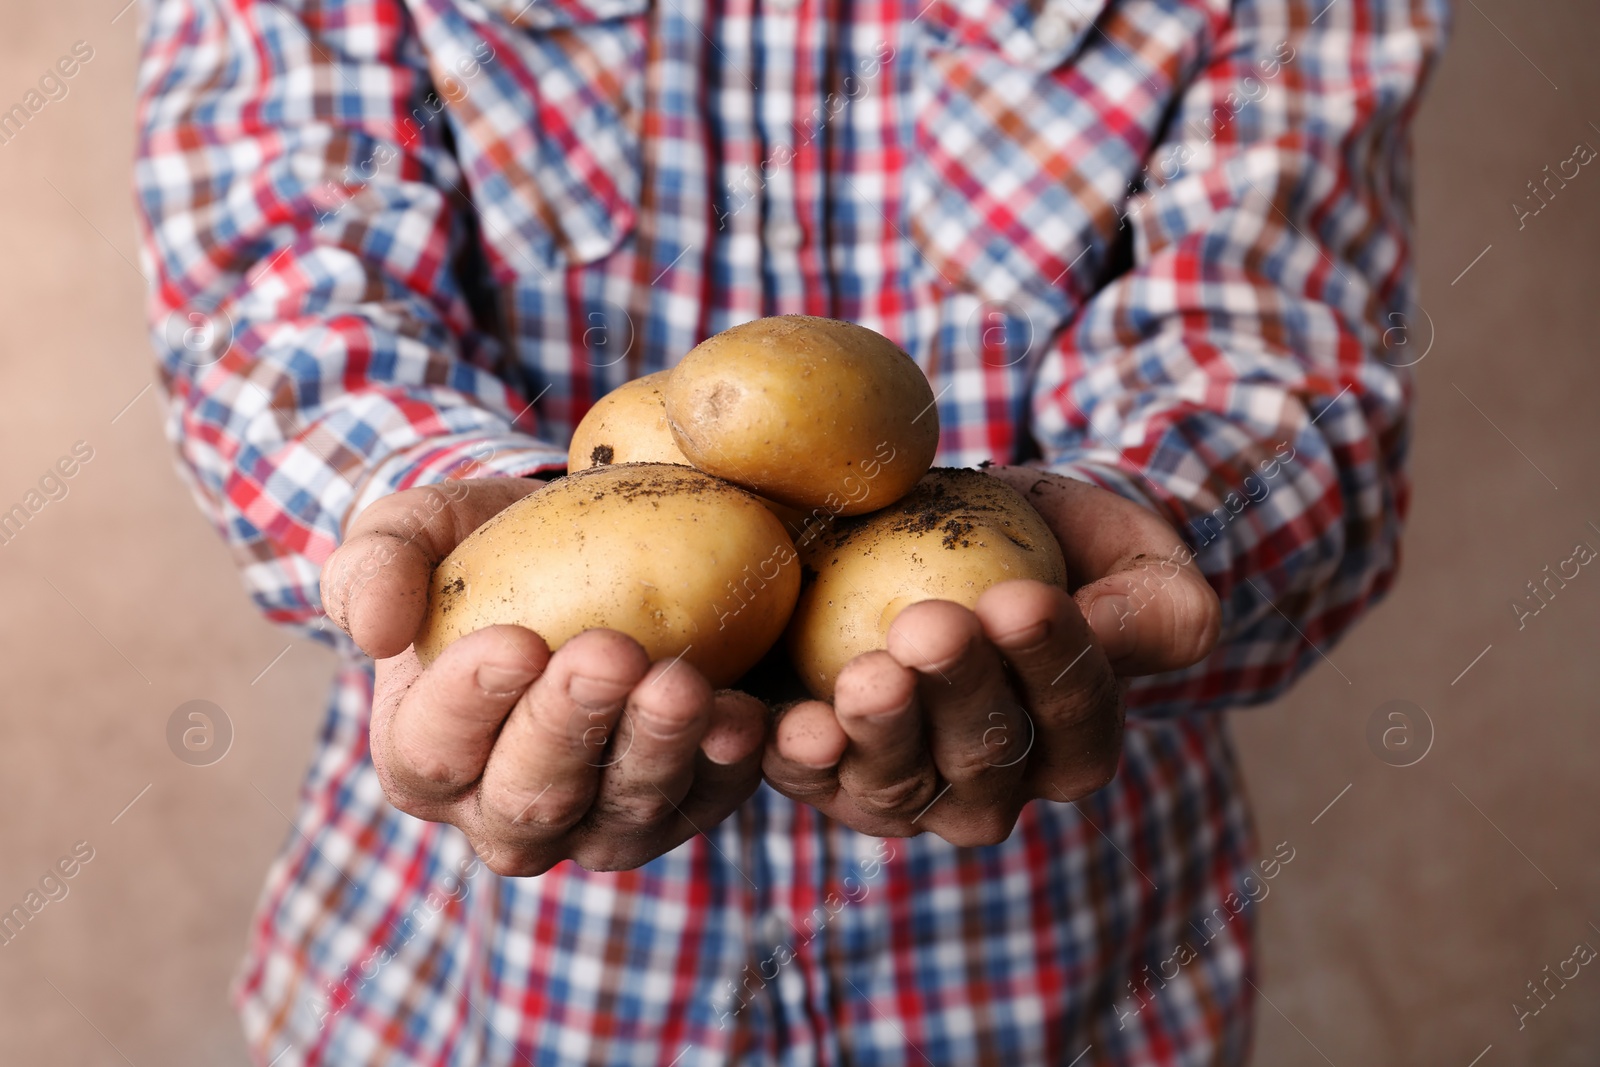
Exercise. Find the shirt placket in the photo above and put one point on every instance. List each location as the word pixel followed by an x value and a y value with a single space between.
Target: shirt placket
pixel 738 294
pixel 791 42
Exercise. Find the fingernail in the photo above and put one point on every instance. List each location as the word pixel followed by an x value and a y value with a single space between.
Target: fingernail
pixel 497 679
pixel 726 744
pixel 879 718
pixel 948 663
pixel 810 751
pixel 1111 618
pixel 1025 639
pixel 808 743
pixel 594 692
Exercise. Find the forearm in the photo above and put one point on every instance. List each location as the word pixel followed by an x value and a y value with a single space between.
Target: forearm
pixel 320 252
pixel 1241 379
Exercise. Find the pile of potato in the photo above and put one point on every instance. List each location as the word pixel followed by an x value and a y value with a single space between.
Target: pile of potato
pixel 775 485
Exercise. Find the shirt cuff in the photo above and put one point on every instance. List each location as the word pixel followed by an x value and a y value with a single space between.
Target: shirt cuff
pixel 1117 475
pixel 456 457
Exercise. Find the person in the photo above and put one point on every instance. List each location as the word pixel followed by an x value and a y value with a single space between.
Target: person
pixel 1154 258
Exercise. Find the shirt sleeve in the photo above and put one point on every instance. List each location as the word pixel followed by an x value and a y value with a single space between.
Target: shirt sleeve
pixel 304 224
pixel 1247 377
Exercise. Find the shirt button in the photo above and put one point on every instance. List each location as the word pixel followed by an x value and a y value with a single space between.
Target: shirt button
pixel 1052 30
pixel 785 235
pixel 776 929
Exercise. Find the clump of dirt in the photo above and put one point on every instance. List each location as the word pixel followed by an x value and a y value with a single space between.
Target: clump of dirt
pixel 450 592
pixel 938 504
pixel 602 455
pixel 955 533
pixel 650 483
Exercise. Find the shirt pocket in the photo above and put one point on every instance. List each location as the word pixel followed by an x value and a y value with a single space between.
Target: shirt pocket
pixel 1004 194
pixel 548 129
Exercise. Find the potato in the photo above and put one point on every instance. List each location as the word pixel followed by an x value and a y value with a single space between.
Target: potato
pixel 683 563
pixel 952 537
pixel 627 425
pixel 815 413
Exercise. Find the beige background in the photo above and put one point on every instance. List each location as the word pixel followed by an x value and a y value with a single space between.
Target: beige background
pixel 1418 905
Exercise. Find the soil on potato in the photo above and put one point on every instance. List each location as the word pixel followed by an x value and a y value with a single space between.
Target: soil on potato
pixel 937 505
pixel 648 484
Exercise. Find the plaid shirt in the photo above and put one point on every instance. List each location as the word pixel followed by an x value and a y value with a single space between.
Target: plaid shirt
pixel 1161 245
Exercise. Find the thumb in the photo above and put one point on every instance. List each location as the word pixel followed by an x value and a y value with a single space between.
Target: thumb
pixel 1152 614
pixel 375 584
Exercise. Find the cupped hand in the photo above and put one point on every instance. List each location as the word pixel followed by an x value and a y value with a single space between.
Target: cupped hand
pixel 967 715
pixel 592 753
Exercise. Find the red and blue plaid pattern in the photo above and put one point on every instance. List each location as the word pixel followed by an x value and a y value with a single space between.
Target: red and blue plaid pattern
pixel 1161 245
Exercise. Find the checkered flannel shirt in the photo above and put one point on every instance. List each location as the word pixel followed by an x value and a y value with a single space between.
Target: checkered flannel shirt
pixel 1159 245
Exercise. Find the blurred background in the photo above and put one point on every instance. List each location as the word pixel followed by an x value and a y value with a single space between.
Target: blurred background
pixel 1438 776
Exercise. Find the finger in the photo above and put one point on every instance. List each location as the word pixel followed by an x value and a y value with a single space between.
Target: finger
pixel 1135 579
pixel 1154 616
pixel 1064 679
pixel 652 762
pixel 1097 529
pixel 809 735
pixel 375 585
pixel 963 690
pixel 1046 641
pixel 801 760
pixel 888 768
pixel 544 770
pixel 737 731
pixel 434 740
pixel 1083 758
